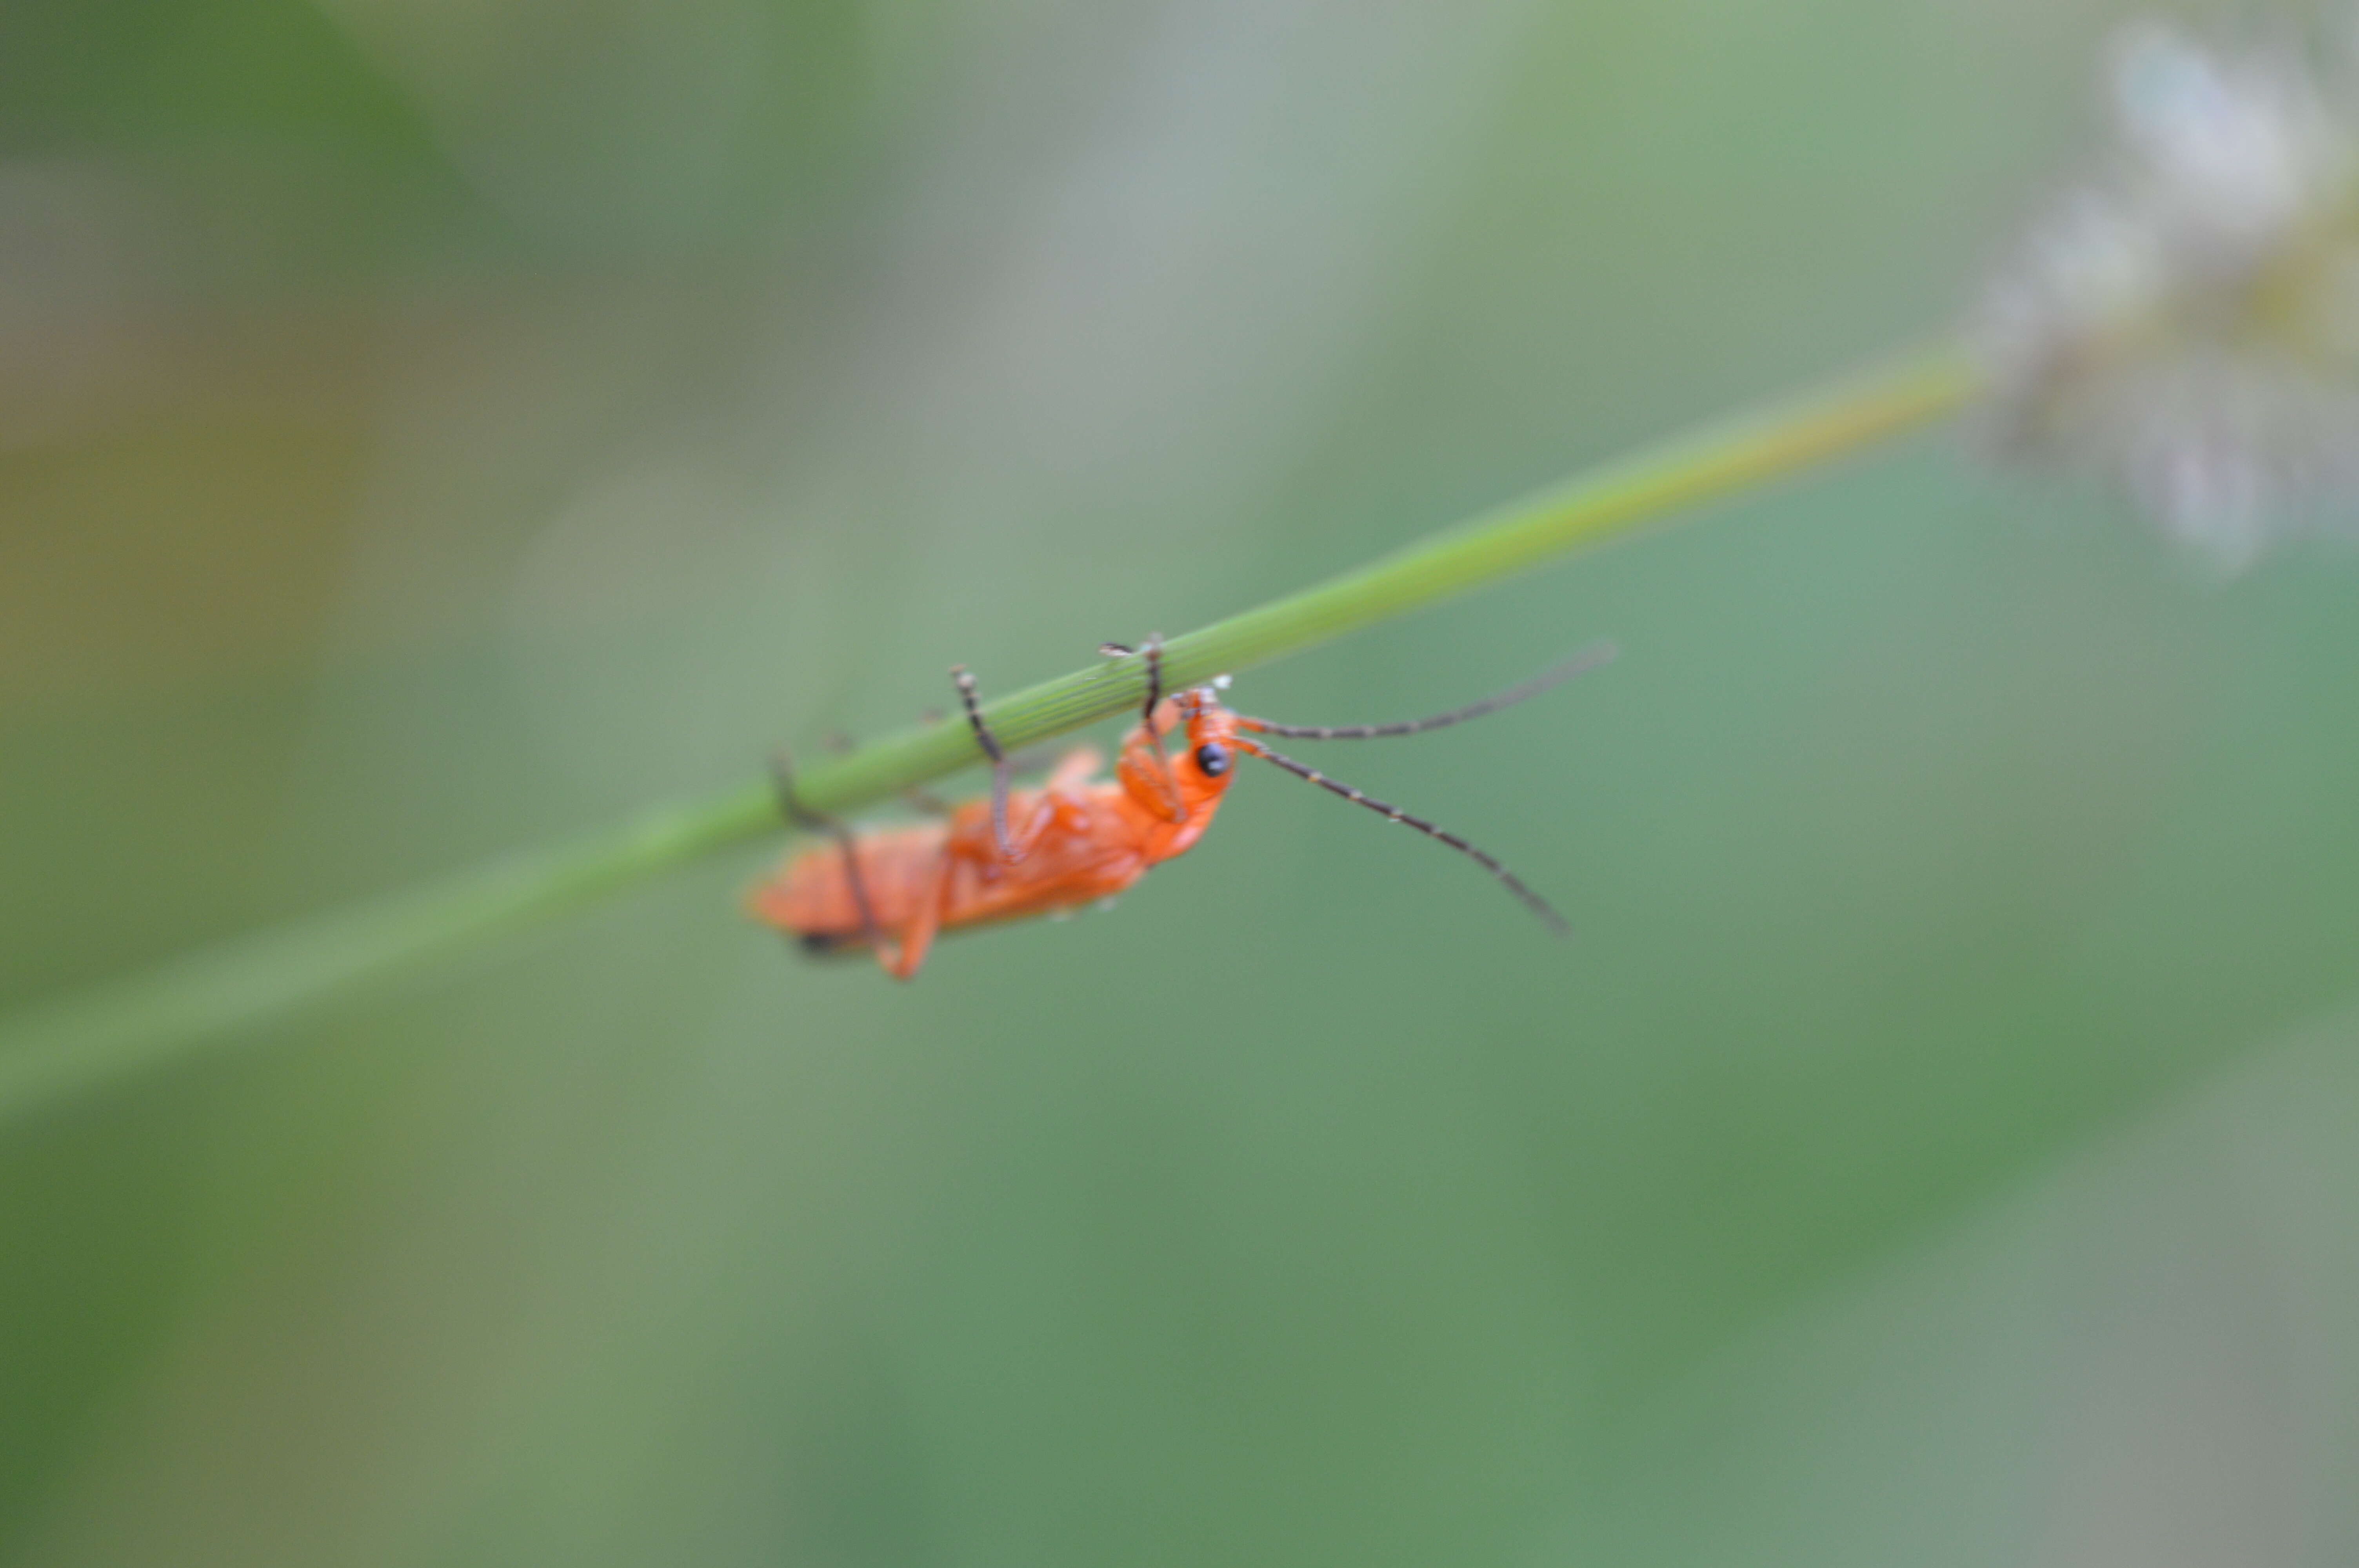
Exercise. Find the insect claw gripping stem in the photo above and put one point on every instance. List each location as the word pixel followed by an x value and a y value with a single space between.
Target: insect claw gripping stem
pixel 1152 651
pixel 782 775
pixel 990 743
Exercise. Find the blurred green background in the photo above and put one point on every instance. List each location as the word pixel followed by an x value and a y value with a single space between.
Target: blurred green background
pixel 429 427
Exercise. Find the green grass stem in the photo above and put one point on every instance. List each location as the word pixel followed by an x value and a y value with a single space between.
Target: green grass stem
pixel 222 995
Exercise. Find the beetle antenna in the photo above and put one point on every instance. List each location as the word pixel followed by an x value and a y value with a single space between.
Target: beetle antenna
pixel 1513 884
pixel 1588 658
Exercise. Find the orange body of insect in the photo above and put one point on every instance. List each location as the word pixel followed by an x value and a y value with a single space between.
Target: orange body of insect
pixel 1075 840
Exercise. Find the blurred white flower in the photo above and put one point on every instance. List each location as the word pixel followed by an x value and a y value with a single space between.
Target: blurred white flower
pixel 2189 321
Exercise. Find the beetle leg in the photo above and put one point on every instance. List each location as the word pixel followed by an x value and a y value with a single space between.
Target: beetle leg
pixel 782 775
pixel 1073 772
pixel 990 744
pixel 1152 652
pixel 918 934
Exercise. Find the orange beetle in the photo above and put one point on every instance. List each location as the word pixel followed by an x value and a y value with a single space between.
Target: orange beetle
pixel 1076 838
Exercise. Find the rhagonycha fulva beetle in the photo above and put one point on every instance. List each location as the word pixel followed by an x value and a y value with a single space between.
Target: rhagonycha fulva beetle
pixel 1076 838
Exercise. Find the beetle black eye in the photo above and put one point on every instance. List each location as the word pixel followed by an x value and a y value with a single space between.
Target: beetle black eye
pixel 1213 758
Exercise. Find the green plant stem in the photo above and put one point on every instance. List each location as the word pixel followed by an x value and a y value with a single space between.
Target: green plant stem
pixel 83 1042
